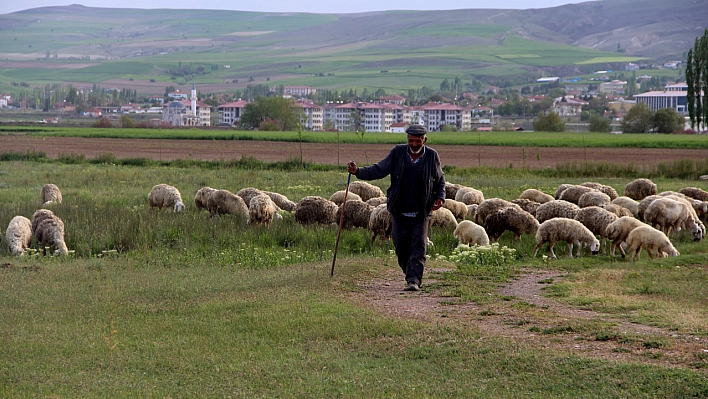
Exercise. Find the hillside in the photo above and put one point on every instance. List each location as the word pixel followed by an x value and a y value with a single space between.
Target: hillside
pixel 393 49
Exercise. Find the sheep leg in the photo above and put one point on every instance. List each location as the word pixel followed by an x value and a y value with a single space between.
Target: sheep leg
pixel 580 247
pixel 536 248
pixel 550 249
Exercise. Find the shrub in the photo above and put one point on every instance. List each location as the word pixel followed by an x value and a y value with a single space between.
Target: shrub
pixel 549 123
pixel 102 122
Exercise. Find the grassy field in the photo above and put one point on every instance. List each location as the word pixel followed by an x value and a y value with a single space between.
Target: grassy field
pixel 181 305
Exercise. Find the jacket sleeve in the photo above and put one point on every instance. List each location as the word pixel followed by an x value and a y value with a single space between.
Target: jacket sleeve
pixel 378 170
pixel 440 179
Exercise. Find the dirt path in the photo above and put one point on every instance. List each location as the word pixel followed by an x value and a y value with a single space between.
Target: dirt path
pixel 333 154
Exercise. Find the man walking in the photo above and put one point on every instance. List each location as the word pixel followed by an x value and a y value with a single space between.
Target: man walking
pixel 417 188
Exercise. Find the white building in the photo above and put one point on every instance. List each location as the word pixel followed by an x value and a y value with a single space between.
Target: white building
pixel 189 113
pixel 311 115
pixel 230 113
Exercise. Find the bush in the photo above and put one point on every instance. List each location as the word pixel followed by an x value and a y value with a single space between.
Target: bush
pixel 599 124
pixel 639 119
pixel 549 123
pixel 102 122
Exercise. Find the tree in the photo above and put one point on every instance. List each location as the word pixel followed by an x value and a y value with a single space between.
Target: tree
pixel 697 81
pixel 599 124
pixel 639 119
pixel 551 122
pixel 278 110
pixel 126 121
pixel 667 120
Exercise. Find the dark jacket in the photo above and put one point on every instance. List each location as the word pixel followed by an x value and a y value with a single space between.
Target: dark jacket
pixel 395 165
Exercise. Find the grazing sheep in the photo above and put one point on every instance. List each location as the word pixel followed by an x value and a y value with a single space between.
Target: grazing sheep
pixel 556 209
pixel 560 190
pixel 471 211
pixel 201 197
pixel 573 193
pixel 639 189
pixel 247 193
pixel 628 203
pixel 50 194
pixel 315 209
pixel 376 201
pixel 459 209
pixel 596 220
pixel 489 206
pixel 695 193
pixel 593 198
pixel 470 233
pixel 644 204
pixel 618 231
pixel 356 214
pixel 516 220
pixel 38 216
pixel 654 241
pixel 527 205
pixel 618 210
pixel 281 201
pixel 611 192
pixel 163 195
pixel 669 213
pixel 50 232
pixel 700 207
pixel 451 189
pixel 224 202
pixel 536 195
pixel 442 217
pixel 365 190
pixel 338 197
pixel 469 196
pixel 380 223
pixel 568 230
pixel 261 210
pixel 18 235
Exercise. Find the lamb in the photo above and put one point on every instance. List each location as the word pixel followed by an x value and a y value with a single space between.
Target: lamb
pixel 596 219
pixel 50 232
pixel 628 203
pixel 516 220
pixel 380 223
pixel 50 194
pixel 536 195
pixel 560 190
pixel 654 241
pixel 444 218
pixel 669 213
pixel 527 205
pixel 356 214
pixel 618 231
pixel 315 209
pixel 469 196
pixel 365 190
pixel 201 197
pixel 261 210
pixel 247 193
pixel 281 201
pixel 695 193
pixel 611 192
pixel 376 201
pixel 224 202
pixel 470 233
pixel 489 206
pixel 338 197
pixel 568 230
pixel 451 189
pixel 167 196
pixel 19 235
pixel 555 209
pixel 573 193
pixel 459 209
pixel 594 198
pixel 639 189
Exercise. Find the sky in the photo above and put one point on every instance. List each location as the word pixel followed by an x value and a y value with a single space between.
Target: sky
pixel 311 6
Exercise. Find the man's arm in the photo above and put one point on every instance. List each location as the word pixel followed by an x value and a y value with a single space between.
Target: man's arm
pixel 439 184
pixel 376 171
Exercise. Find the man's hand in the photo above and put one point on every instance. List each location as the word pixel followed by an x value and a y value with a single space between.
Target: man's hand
pixel 437 204
pixel 352 168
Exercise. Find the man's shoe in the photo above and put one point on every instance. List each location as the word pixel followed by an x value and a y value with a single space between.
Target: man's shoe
pixel 412 286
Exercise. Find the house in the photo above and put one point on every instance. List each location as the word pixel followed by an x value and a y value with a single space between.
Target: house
pixel 92 113
pixel 230 113
pixel 394 99
pixel 568 106
pixel 613 87
pixel 176 95
pixel 399 127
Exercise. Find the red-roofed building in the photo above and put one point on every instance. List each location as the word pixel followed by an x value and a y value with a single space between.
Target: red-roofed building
pixel 394 99
pixel 312 115
pixel 230 113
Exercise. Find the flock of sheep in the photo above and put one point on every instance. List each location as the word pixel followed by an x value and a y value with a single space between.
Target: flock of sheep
pixel 575 214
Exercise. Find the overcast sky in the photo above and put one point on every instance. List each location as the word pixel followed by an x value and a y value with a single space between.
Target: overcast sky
pixel 313 6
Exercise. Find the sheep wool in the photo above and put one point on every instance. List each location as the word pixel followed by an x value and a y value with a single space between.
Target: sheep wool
pixel 610 191
pixel 560 190
pixel 459 209
pixel 469 196
pixel 470 233
pixel 618 210
pixel 644 204
pixel 281 201
pixel 201 197
pixel 315 209
pixel 261 210
pixel 50 194
pixel 376 201
pixel 618 231
pixel 655 242
pixel 356 214
pixel 671 214
pixel 695 193
pixel 50 232
pixel 224 202
pixel 628 203
pixel 338 197
pixel 444 218
pixel 593 198
pixel 163 195
pixel 489 206
pixel 536 196
pixel 596 220
pixel 527 205
pixel 40 215
pixel 19 235
pixel 639 189
pixel 247 193
pixel 380 223
pixel 517 221
pixel 451 189
pixel 568 230
pixel 573 193
pixel 556 209
pixel 365 190
pixel 471 211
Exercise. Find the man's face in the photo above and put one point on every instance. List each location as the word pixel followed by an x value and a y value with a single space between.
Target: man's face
pixel 415 143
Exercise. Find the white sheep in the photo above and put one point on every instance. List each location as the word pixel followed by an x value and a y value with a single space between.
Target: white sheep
pixel 469 196
pixel 560 190
pixel 639 189
pixel 281 201
pixel 618 231
pixel 315 209
pixel 365 190
pixel 594 198
pixel 596 220
pixel 654 241
pixel 644 204
pixel 442 217
pixel 201 197
pixel 50 194
pixel 618 210
pixel 628 203
pixel 568 230
pixel 376 201
pixel 380 223
pixel 50 232
pixel 451 189
pixel 40 215
pixel 356 214
pixel 669 213
pixel 261 210
pixel 536 196
pixel 489 206
pixel 224 202
pixel 247 193
pixel 471 211
pixel 338 197
pixel 610 191
pixel 19 235
pixel 516 220
pixel 459 209
pixel 470 233
pixel 163 195
pixel 573 193
pixel 556 209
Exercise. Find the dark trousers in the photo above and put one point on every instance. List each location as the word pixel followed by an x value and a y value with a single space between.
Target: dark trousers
pixel 410 237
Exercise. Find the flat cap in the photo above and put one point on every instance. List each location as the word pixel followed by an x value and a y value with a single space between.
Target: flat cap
pixel 416 130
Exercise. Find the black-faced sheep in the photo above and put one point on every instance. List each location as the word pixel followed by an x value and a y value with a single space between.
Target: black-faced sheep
pixel 356 214
pixel 573 193
pixel 628 203
pixel 556 209
pixel 457 208
pixel 365 190
pixel 469 196
pixel 639 189
pixel 224 202
pixel 654 241
pixel 315 209
pixel 50 232
pixel 593 198
pixel 489 206
pixel 470 233
pixel 19 235
pixel 261 210
pixel 669 213
pixel 568 230
pixel 50 194
pixel 536 196
pixel 618 231
pixel 515 220
pixel 201 197
pixel 281 201
pixel 338 197
pixel 247 193
pixel 380 223
pixel 527 205
pixel 163 195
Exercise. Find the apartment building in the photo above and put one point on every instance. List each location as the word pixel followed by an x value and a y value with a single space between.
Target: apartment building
pixel 311 115
pixel 230 113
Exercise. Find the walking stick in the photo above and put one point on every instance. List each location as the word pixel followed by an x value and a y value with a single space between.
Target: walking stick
pixel 341 220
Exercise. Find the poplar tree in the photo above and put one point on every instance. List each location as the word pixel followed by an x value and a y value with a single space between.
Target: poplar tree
pixel 697 81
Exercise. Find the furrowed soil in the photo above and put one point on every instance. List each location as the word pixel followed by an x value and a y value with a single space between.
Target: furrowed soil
pixel 340 154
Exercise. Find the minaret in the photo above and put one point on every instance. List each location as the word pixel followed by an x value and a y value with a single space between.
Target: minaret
pixel 194 100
